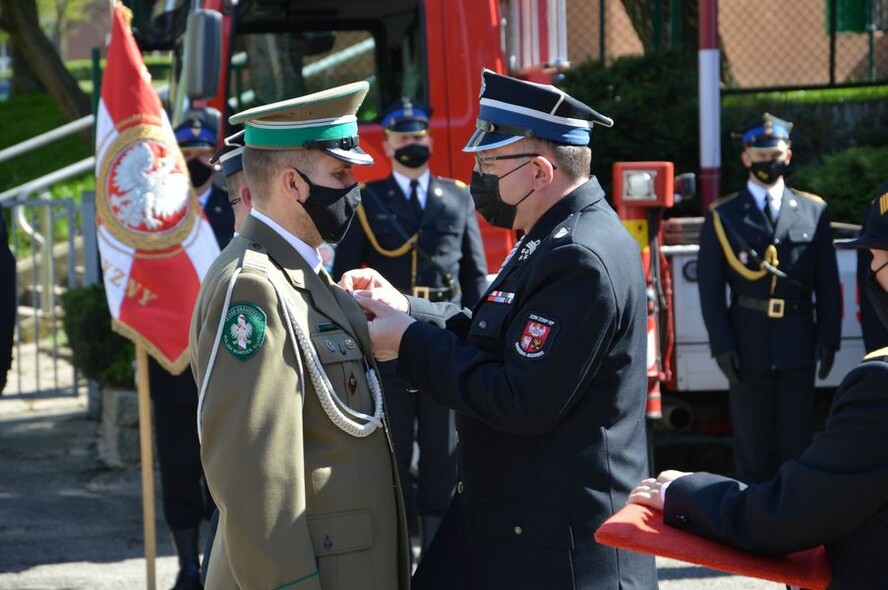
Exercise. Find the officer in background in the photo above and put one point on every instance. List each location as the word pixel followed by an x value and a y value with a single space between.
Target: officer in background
pixel 875 334
pixel 836 493
pixel 7 302
pixel 186 501
pixel 420 232
pixel 772 247
pixel 229 157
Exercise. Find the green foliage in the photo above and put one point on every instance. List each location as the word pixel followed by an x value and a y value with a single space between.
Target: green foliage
pixel 97 351
pixel 25 116
pixel 653 102
pixel 158 67
pixel 847 180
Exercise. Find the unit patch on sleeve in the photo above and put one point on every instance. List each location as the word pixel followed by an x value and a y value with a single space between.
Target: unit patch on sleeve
pixel 244 330
pixel 536 337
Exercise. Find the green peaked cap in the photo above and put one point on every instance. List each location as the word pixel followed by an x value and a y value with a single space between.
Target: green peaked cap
pixel 323 120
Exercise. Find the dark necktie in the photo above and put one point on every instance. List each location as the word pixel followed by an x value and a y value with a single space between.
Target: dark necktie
pixel 414 198
pixel 767 210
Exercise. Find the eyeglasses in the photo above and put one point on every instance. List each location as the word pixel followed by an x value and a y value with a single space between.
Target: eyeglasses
pixel 235 201
pixel 482 160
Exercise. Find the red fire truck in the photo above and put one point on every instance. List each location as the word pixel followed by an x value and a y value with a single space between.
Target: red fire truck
pixel 235 54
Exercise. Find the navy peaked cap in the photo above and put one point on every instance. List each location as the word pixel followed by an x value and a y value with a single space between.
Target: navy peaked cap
pixel 768 132
pixel 512 109
pixel 406 116
pixel 199 129
pixel 875 226
pixel 230 154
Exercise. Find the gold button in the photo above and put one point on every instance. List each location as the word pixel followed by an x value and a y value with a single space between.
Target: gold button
pixel 518 530
pixel 459 488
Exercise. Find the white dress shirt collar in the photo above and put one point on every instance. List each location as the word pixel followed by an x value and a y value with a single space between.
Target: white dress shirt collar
pixel 759 192
pixel 311 255
pixel 422 190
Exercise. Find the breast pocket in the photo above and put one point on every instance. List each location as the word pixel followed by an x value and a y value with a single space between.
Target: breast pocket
pixel 799 239
pixel 343 363
pixel 447 225
pixel 489 321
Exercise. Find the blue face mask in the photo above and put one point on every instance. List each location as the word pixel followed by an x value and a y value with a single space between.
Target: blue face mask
pixel 331 209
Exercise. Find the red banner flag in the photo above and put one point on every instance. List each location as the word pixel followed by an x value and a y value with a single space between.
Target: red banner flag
pixel 154 241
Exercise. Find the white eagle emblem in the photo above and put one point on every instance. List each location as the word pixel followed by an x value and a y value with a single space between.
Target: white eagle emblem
pixel 241 332
pixel 149 190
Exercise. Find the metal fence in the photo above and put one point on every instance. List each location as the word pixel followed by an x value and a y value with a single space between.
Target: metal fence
pixel 765 44
pixel 42 240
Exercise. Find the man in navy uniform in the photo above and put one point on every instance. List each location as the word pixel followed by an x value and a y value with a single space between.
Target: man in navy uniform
pixel 772 246
pixel 229 157
pixel 836 493
pixel 420 232
pixel 875 335
pixel 186 501
pixel 548 373
pixel 7 302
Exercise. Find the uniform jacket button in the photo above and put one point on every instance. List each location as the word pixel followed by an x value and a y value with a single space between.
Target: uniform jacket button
pixel 518 530
pixel 682 518
pixel 459 487
pixel 482 324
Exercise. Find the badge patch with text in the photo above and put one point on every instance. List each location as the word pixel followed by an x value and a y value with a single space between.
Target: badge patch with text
pixel 537 333
pixel 244 330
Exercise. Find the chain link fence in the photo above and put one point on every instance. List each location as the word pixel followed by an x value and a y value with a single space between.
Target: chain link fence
pixel 765 44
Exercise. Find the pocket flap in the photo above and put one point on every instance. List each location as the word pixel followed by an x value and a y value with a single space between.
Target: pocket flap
pixel 523 523
pixel 342 532
pixel 336 346
pixel 488 319
pixel 801 235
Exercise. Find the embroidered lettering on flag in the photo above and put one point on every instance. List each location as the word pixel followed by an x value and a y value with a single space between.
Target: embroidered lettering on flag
pixel 536 337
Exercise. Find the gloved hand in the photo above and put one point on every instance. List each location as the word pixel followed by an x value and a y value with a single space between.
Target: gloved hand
pixel 729 363
pixel 825 358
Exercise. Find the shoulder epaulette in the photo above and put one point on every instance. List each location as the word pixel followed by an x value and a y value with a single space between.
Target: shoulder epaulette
pixel 723 200
pixel 811 196
pixel 876 354
pixel 255 257
pixel 453 181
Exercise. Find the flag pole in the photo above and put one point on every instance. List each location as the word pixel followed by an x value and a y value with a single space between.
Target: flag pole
pixel 147 457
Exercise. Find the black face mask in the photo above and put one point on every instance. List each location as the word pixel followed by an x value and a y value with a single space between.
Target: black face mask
pixel 199 172
pixel 877 295
pixel 769 171
pixel 489 203
pixel 413 155
pixel 331 209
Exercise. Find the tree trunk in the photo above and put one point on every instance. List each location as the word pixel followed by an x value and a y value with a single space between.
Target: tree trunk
pixel 19 19
pixel 23 79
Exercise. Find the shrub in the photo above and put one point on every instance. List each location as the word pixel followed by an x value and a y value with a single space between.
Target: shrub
pixel 847 180
pixel 97 351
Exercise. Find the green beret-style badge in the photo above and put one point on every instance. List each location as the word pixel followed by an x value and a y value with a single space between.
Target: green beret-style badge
pixel 244 330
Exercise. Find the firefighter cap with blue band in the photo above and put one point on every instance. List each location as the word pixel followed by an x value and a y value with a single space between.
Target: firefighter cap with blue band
pixel 230 154
pixel 767 133
pixel 406 117
pixel 512 109
pixel 325 120
pixel 199 130
pixel 875 226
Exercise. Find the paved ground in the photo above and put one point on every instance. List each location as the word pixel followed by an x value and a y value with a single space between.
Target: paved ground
pixel 68 522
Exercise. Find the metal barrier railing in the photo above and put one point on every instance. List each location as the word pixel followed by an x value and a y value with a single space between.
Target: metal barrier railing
pixel 40 252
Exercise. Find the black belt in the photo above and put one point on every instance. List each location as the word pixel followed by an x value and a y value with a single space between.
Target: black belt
pixel 775 308
pixel 434 294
